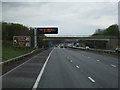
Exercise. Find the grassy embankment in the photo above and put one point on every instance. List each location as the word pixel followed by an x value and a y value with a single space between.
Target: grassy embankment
pixel 9 51
pixel 0 50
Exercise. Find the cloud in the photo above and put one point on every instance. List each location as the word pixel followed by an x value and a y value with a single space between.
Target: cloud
pixel 81 18
pixel 104 21
pixel 0 12
pixel 59 0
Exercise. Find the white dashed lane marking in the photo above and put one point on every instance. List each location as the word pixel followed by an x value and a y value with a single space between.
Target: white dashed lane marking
pixel 113 65
pixel 77 66
pixel 70 60
pixel 92 80
pixel 88 57
pixel 67 57
pixel 98 60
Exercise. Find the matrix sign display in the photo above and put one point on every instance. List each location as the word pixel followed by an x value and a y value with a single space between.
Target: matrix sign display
pixel 21 41
pixel 47 30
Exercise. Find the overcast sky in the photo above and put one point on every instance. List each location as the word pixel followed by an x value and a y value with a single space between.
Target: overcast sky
pixel 72 18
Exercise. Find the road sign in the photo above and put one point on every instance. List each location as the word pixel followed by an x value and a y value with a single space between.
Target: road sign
pixel 22 41
pixel 47 30
pixel 77 44
pixel 50 43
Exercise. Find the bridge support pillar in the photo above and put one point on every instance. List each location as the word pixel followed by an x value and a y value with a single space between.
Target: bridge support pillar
pixel 112 44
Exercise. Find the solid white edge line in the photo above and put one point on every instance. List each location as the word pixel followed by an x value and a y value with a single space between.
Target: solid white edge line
pixel 91 79
pixel 113 65
pixel 18 66
pixel 41 72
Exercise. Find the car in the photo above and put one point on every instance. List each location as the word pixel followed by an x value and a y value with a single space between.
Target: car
pixel 117 50
pixel 77 46
pixel 61 46
pixel 87 47
pixel 56 46
pixel 65 46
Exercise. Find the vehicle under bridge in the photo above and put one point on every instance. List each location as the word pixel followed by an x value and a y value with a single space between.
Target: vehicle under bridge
pixel 96 42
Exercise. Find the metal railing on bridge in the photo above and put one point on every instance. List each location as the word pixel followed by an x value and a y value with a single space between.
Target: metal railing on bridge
pixel 106 37
pixel 67 35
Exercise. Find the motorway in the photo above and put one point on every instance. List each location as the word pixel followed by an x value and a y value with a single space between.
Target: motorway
pixel 66 68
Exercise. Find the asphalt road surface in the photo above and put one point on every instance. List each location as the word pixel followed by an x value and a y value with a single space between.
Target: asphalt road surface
pixel 66 68
pixel 24 76
pixel 77 69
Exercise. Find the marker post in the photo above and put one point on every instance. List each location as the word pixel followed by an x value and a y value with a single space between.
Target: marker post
pixel 35 38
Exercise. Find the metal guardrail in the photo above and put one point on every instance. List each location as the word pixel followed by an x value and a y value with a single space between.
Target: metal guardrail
pixel 22 56
pixel 17 58
pixel 83 48
pixel 101 50
pixel 91 49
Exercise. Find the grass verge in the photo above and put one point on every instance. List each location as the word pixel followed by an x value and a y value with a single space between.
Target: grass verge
pixel 12 52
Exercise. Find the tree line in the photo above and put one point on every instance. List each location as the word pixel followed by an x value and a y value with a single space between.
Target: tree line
pixel 13 29
pixel 112 31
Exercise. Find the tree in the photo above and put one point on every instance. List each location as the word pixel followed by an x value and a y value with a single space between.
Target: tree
pixel 112 30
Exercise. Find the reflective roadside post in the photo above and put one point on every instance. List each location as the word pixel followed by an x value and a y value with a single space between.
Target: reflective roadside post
pixel 35 38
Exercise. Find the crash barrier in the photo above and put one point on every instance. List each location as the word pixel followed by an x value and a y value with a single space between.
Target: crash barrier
pixel 21 57
pixel 98 50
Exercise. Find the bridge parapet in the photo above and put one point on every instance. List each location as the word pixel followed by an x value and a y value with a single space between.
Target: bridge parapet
pixel 82 36
pixel 74 38
pixel 68 35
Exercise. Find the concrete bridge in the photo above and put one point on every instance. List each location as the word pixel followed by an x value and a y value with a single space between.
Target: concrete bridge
pixel 112 42
pixel 76 38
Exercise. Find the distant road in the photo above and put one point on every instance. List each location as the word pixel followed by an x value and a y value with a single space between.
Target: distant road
pixel 66 68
